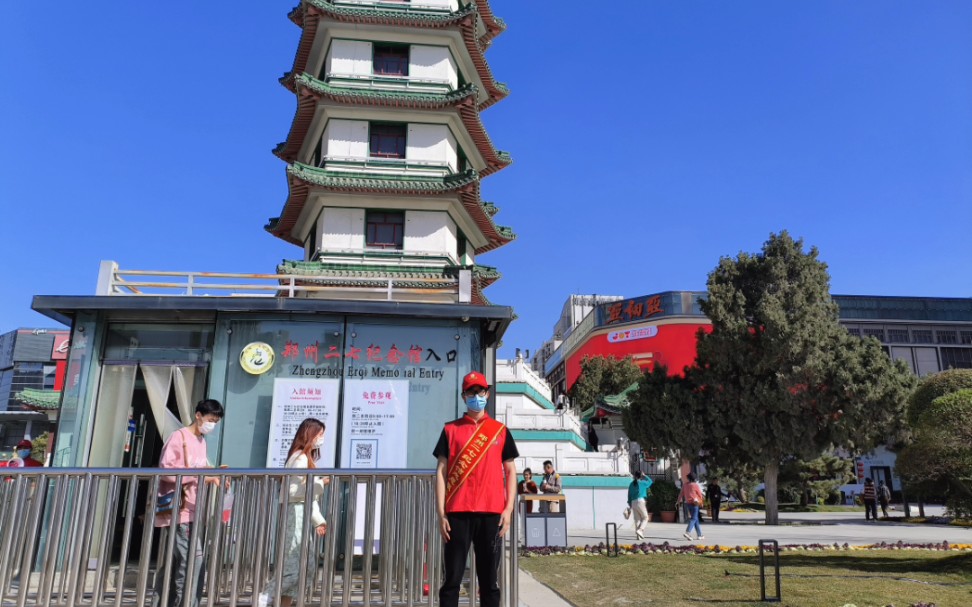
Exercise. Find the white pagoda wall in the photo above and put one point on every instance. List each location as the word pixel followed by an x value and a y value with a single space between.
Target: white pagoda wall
pixel 346 139
pixel 432 63
pixel 342 229
pixel 350 58
pixel 354 58
pixel 430 231
pixel 425 143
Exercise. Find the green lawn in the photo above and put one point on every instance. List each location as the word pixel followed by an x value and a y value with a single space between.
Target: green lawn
pixel 810 579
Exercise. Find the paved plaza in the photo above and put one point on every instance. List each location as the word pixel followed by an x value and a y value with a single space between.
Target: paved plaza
pixel 747 529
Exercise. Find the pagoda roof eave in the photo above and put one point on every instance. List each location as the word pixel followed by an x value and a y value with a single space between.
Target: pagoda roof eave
pixel 401 276
pixel 39 400
pixel 493 24
pixel 303 178
pixel 310 90
pixel 307 16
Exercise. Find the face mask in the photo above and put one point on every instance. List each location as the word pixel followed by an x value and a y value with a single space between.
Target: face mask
pixel 477 402
pixel 207 427
pixel 319 443
pixel 23 453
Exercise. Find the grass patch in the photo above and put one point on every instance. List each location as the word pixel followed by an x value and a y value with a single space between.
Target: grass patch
pixel 873 578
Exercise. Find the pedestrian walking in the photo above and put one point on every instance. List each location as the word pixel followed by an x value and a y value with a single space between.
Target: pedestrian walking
pixel 475 490
pixel 869 496
pixel 691 496
pixel 637 498
pixel 713 493
pixel 185 448
pixel 884 497
pixel 304 451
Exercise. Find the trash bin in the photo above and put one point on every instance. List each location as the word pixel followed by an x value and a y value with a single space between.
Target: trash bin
pixel 545 528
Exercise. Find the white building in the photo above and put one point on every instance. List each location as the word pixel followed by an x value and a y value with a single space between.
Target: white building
pixel 595 483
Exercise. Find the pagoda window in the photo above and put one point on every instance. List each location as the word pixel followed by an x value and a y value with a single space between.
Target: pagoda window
pixel 390 60
pixel 387 140
pixel 384 229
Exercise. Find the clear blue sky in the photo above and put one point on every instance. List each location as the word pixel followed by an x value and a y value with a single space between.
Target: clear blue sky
pixel 649 140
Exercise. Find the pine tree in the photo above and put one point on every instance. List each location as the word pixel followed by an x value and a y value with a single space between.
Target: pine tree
pixel 777 378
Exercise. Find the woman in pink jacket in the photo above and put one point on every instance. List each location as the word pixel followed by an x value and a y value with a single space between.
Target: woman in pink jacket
pixel 691 495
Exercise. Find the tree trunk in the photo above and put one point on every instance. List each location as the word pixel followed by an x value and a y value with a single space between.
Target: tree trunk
pixel 770 492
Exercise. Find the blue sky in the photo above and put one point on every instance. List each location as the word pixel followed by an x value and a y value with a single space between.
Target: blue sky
pixel 648 140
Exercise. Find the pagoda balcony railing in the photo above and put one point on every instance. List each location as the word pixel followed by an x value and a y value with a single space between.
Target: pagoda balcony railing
pixel 387 166
pixel 390 83
pixel 406 6
pixel 385 257
pixel 134 283
pixel 87 536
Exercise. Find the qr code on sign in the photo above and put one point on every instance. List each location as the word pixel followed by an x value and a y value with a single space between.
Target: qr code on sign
pixel 364 452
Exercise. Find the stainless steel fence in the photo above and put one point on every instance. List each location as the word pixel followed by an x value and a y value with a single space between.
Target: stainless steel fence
pixel 88 537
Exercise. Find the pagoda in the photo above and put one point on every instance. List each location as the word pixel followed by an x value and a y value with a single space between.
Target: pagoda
pixel 386 150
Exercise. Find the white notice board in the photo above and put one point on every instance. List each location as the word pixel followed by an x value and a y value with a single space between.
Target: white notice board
pixel 374 432
pixel 294 400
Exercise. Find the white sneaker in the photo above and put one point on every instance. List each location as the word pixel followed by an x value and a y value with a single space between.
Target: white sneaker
pixel 701 537
pixel 263 600
pixel 639 535
pixel 687 536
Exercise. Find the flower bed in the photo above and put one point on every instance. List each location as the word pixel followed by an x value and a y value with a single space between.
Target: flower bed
pixel 666 548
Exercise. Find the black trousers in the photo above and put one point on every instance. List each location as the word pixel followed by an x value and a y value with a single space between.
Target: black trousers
pixel 870 509
pixel 716 504
pixel 482 531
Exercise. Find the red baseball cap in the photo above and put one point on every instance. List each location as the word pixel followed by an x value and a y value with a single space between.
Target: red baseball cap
pixel 474 379
pixel 25 444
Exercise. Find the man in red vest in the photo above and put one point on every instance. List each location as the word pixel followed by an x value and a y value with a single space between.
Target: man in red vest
pixel 475 490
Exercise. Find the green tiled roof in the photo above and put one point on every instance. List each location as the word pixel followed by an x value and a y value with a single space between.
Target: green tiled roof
pixel 40 399
pixel 621 399
pixel 323 177
pixel 353 94
pixel 388 13
pixel 369 274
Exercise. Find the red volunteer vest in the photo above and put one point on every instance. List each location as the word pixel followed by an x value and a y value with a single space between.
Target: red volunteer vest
pixel 483 488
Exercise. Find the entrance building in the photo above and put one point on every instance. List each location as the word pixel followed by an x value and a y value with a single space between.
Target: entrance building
pixel 373 326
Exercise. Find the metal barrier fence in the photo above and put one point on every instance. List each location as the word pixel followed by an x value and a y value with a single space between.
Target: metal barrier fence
pixel 87 537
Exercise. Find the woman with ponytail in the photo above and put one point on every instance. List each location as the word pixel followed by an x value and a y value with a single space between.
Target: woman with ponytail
pixel 304 450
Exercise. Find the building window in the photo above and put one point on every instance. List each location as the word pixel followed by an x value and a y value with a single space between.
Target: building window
pixel 390 60
pixel 946 337
pixel 898 336
pixel 387 140
pixel 922 336
pixel 879 333
pixel 384 229
pixel 854 332
pixel 956 358
pixel 966 337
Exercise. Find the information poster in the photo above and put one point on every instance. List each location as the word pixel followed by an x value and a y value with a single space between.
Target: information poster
pixel 294 400
pixel 375 429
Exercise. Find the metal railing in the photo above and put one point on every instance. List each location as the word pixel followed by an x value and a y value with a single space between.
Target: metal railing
pixel 114 281
pixel 87 537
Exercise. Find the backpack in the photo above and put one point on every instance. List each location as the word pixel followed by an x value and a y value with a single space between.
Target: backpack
pixel 885 493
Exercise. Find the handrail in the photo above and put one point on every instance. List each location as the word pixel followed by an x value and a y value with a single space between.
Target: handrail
pixel 116 282
pixel 71 536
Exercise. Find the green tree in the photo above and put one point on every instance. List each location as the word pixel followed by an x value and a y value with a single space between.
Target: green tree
pixel 940 454
pixel 777 377
pixel 817 479
pixel 602 376
pixel 933 386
